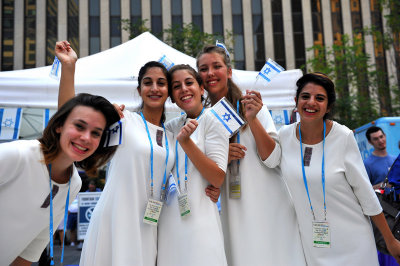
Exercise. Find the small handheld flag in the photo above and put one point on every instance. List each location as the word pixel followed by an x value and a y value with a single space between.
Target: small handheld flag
pixel 10 121
pixel 166 62
pixel 227 115
pixel 270 70
pixel 55 69
pixel 222 45
pixel 113 135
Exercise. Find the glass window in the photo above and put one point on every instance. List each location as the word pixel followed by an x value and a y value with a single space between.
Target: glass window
pixel 298 34
pixel 94 26
pixel 258 34
pixel 176 12
pixel 115 23
pixel 30 34
pixel 136 11
pixel 197 13
pixel 217 20
pixel 156 17
pixel 277 25
pixel 73 24
pixel 237 27
pixel 7 43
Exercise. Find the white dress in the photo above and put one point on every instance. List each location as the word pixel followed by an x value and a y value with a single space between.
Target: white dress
pixel 196 239
pixel 261 227
pixel 116 234
pixel 350 198
pixel 24 186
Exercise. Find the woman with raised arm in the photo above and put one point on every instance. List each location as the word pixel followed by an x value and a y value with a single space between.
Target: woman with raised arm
pixel 192 235
pixel 258 219
pixel 38 178
pixel 117 234
pixel 332 195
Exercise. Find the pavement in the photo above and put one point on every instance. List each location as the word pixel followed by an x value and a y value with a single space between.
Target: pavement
pixel 72 256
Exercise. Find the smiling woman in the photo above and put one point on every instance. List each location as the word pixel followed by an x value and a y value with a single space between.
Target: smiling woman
pixel 29 168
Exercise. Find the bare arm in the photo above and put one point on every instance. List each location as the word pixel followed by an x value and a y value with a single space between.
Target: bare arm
pixel 264 142
pixel 207 167
pixel 68 58
pixel 392 244
pixel 20 262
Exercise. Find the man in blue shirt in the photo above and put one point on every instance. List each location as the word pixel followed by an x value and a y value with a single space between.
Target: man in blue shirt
pixel 379 162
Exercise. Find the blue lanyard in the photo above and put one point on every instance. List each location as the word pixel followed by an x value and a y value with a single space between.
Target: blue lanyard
pixel 322 171
pixel 151 159
pixel 51 218
pixel 186 160
pixel 238 133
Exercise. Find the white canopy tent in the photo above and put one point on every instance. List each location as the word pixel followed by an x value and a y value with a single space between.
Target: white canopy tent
pixel 113 74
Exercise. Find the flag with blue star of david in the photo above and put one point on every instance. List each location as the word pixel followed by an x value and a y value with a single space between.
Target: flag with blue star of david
pixel 114 135
pixel 270 70
pixel 228 117
pixel 166 62
pixel 47 114
pixel 10 121
pixel 55 71
pixel 280 117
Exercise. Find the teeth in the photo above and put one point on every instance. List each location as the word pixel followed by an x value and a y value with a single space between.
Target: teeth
pixel 185 98
pixel 212 82
pixel 310 111
pixel 79 147
pixel 154 96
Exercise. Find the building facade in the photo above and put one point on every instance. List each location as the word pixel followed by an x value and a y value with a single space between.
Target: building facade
pixel 278 29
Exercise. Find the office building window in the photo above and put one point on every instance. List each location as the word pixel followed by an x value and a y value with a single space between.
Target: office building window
pixel 258 34
pixel 156 17
pixel 356 18
pixel 136 11
pixel 51 29
pixel 279 40
pixel 94 26
pixel 115 23
pixel 318 31
pixel 176 12
pixel 298 34
pixel 217 19
pixel 7 43
pixel 73 24
pixel 336 16
pixel 30 34
pixel 197 13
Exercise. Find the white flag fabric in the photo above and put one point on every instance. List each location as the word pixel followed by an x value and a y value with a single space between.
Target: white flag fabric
pixel 114 135
pixel 10 121
pixel 47 114
pixel 166 62
pixel 227 115
pixel 55 71
pixel 270 70
pixel 280 117
pixel 222 45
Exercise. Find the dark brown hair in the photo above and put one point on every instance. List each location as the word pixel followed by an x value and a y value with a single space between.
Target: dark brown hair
pixel 143 71
pixel 50 140
pixel 323 81
pixel 191 71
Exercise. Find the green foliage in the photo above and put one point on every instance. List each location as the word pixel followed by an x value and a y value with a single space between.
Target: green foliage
pixel 188 38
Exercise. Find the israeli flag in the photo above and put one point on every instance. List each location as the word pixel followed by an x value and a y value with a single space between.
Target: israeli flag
pixel 114 135
pixel 222 45
pixel 270 70
pixel 55 71
pixel 280 117
pixel 228 117
pixel 171 189
pixel 10 121
pixel 166 62
pixel 47 114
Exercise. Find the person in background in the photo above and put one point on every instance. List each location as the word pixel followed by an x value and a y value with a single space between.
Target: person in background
pixel 379 162
pixel 92 187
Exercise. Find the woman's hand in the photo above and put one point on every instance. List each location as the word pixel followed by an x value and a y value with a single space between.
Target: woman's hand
pixel 236 151
pixel 394 249
pixel 213 193
pixel 65 53
pixel 119 109
pixel 187 130
pixel 252 104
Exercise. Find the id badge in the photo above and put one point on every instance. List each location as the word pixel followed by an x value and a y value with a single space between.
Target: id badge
pixel 321 235
pixel 153 211
pixel 234 181
pixel 183 202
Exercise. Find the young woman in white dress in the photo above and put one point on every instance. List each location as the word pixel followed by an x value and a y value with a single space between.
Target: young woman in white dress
pixel 29 168
pixel 332 195
pixel 117 234
pixel 260 227
pixel 201 159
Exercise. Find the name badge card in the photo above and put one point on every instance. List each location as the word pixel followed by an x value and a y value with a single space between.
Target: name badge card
pixel 228 117
pixel 321 235
pixel 234 180
pixel 153 211
pixel 184 208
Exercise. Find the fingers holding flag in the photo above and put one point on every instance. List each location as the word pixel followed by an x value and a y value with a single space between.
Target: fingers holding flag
pixel 252 104
pixel 187 130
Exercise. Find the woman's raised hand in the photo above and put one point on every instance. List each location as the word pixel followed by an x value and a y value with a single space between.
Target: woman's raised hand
pixel 187 130
pixel 252 104
pixel 65 53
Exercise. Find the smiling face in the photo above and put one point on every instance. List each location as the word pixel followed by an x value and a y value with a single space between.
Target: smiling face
pixel 312 103
pixel 81 133
pixel 215 74
pixel 154 88
pixel 186 92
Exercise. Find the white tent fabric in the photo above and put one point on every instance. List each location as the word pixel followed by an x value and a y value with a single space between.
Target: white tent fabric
pixel 113 74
